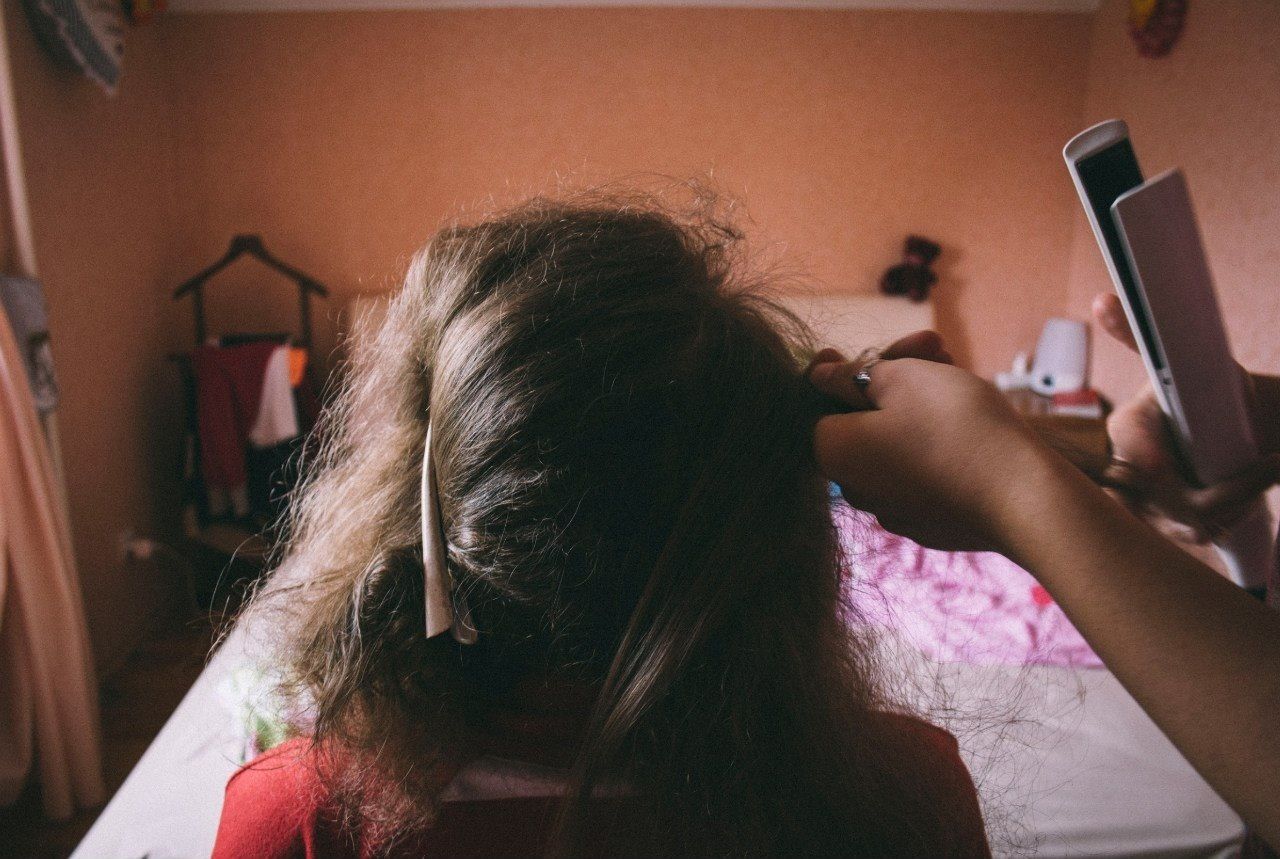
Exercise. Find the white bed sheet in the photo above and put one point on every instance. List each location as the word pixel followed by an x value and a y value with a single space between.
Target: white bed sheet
pixel 1066 763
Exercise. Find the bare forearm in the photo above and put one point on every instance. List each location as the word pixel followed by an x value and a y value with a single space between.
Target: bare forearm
pixel 1200 656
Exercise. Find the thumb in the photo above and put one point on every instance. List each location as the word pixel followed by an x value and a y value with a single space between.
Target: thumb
pixel 1108 312
pixel 926 345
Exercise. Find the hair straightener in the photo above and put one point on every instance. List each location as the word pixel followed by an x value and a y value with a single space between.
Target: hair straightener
pixel 1151 243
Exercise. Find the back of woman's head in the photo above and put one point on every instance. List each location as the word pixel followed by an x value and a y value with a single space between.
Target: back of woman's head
pixel 621 433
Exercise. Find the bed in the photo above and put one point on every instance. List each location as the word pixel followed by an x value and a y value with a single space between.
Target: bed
pixel 1065 761
pixel 1066 764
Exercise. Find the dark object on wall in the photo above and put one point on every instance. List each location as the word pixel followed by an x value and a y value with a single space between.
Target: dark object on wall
pixel 1155 25
pixel 912 277
pixel 252 245
pixel 23 300
pixel 85 34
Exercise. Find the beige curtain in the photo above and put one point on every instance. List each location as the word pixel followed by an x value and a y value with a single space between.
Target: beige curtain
pixel 48 698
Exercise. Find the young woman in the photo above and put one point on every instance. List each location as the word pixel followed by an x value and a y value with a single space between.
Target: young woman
pixel 583 444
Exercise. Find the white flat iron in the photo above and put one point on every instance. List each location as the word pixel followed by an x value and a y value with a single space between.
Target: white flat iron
pixel 1151 243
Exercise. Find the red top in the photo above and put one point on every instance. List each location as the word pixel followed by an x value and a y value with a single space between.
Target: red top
pixel 276 807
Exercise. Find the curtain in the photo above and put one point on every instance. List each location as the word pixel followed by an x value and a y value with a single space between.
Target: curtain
pixel 48 697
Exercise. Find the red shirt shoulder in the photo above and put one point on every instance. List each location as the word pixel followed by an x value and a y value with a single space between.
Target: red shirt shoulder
pixel 962 809
pixel 276 807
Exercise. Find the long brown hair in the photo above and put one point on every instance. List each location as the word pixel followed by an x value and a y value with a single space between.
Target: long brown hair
pixel 629 497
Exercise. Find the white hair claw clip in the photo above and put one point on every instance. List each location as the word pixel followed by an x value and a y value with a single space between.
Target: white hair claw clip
pixel 445 609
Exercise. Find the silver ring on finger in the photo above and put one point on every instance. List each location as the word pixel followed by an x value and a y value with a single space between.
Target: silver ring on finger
pixel 863 377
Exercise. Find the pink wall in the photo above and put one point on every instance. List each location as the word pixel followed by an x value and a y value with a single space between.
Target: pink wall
pixel 101 187
pixel 1211 107
pixel 346 138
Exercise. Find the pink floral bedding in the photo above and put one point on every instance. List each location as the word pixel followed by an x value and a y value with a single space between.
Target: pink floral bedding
pixel 972 607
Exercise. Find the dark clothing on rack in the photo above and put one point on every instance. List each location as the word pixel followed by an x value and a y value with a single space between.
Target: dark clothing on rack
pixel 229 384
